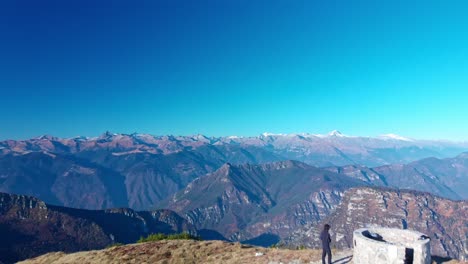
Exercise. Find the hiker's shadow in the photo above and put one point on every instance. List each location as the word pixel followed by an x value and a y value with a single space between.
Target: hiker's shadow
pixel 343 260
pixel 440 260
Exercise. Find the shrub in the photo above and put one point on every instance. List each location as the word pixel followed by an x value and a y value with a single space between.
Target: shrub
pixel 182 236
pixel 301 247
pixel 160 236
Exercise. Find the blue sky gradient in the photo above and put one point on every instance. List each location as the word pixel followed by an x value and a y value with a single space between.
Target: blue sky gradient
pixel 71 68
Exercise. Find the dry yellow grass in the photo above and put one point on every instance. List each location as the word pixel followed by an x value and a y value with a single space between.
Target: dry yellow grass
pixel 187 252
pixel 183 252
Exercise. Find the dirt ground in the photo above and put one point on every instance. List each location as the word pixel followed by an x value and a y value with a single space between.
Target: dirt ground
pixel 189 251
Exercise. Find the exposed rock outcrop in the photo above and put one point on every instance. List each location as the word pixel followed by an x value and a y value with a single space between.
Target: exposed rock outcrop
pixel 443 220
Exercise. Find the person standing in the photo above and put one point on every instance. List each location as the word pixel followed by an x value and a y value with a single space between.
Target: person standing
pixel 326 239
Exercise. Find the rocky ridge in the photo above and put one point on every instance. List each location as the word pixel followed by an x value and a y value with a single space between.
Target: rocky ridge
pixel 260 203
pixel 444 177
pixel 31 227
pixel 443 220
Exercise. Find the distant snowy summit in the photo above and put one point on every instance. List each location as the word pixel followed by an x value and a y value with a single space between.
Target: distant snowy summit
pixel 330 136
pixel 331 149
pixel 395 137
pixel 337 134
pixel 333 133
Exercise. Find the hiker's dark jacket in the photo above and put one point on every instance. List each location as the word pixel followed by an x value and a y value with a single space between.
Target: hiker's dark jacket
pixel 326 239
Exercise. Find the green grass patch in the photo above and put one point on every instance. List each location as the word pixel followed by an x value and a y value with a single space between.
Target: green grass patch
pixel 160 236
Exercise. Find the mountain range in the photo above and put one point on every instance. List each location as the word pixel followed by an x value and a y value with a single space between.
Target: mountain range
pixel 257 190
pixel 139 170
pixel 33 227
pixel 333 148
pixel 245 202
pixel 263 204
pixel 444 177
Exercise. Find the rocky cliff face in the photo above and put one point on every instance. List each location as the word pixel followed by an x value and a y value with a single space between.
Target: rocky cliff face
pixel 29 227
pixel 266 201
pixel 444 221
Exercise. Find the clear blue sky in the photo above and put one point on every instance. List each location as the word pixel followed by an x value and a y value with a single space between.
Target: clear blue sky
pixel 239 67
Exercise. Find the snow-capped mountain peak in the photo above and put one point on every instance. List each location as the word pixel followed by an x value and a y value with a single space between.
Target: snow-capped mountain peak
pixel 395 137
pixel 267 134
pixel 335 133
